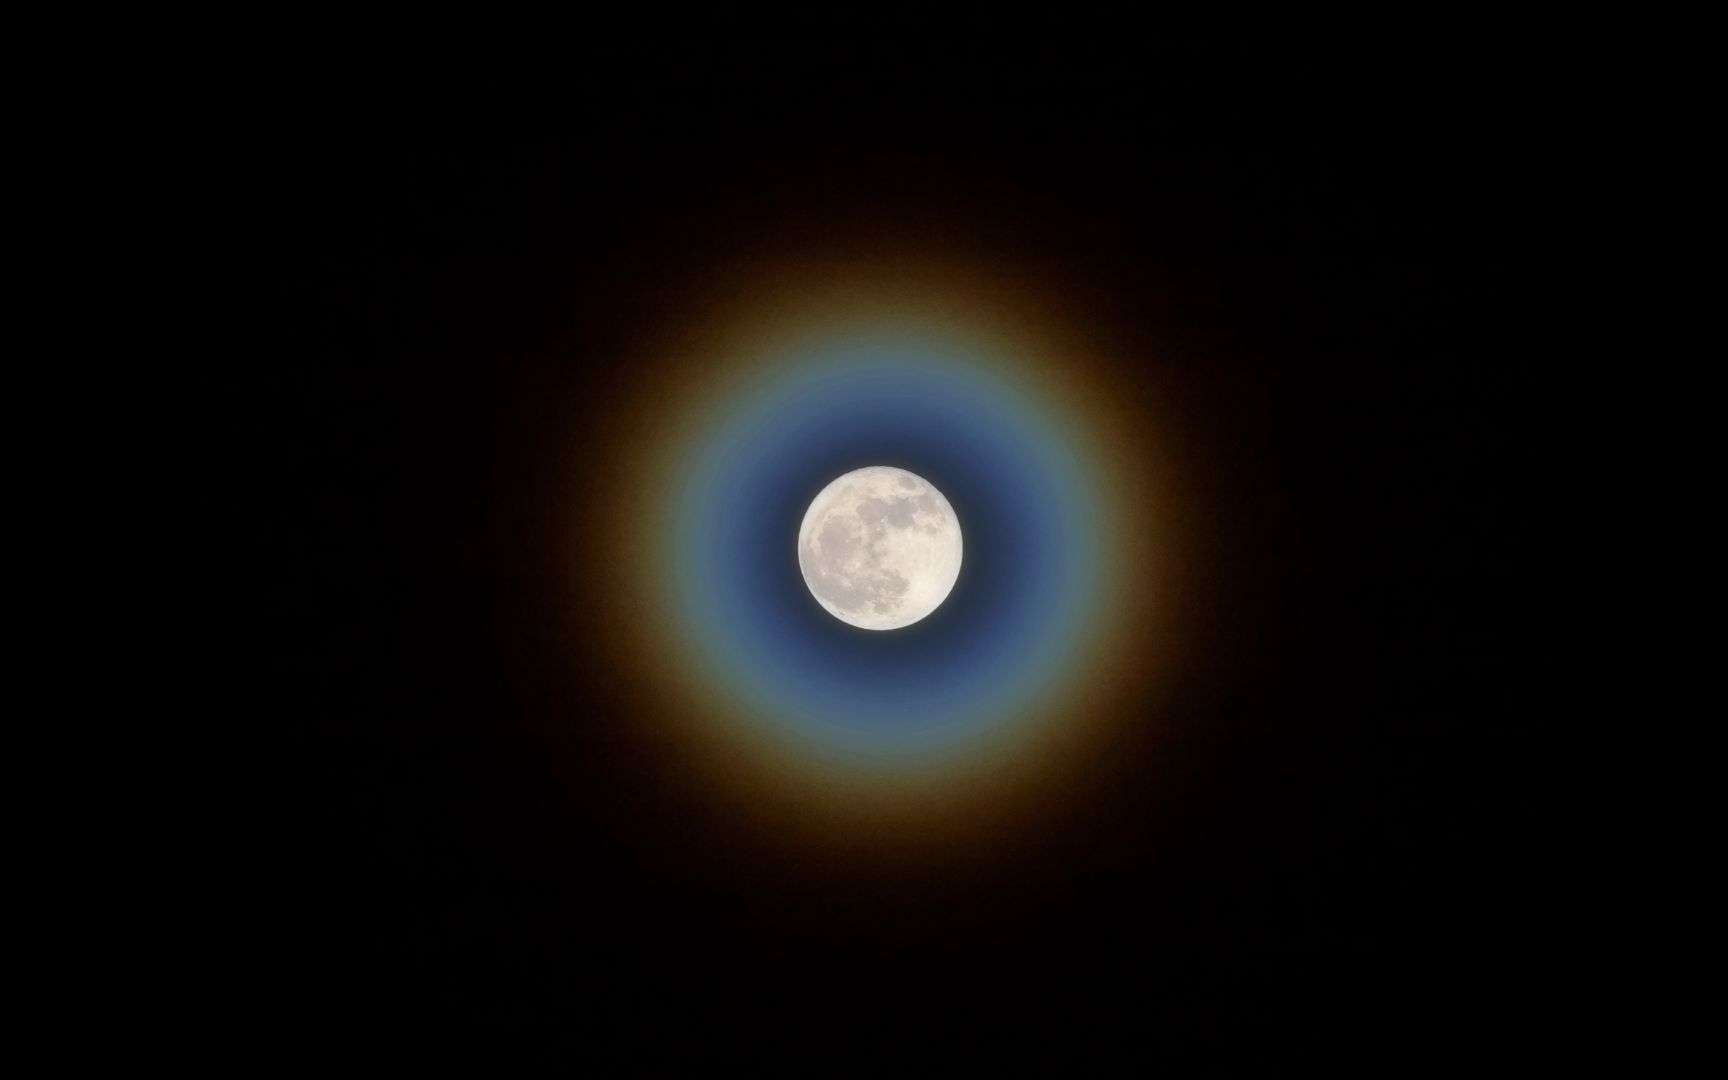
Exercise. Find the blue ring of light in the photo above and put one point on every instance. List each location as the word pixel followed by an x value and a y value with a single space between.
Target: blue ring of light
pixel 1028 582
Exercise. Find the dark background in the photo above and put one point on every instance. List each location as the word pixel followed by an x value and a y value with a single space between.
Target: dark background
pixel 1318 850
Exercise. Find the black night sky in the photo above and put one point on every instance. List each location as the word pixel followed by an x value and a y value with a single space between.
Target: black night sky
pixel 1314 852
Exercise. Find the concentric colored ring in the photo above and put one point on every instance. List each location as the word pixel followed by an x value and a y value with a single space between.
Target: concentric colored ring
pixel 736 424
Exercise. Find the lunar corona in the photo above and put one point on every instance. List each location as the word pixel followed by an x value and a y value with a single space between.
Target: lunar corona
pixel 880 548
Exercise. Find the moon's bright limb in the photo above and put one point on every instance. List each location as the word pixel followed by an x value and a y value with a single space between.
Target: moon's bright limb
pixel 880 548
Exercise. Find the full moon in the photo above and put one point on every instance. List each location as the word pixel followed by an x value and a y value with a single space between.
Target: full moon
pixel 879 548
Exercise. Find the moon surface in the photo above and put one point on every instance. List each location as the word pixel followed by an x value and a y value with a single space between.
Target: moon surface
pixel 880 548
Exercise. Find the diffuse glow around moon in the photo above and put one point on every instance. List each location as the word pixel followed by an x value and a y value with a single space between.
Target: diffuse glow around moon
pixel 734 425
